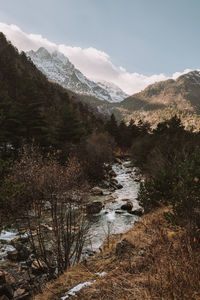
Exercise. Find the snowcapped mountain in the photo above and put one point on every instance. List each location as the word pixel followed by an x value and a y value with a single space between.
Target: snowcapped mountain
pixel 114 91
pixel 57 67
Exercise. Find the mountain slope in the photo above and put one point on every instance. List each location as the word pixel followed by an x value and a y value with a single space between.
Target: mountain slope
pixel 184 93
pixel 57 67
pixel 114 91
pixel 162 100
pixel 33 108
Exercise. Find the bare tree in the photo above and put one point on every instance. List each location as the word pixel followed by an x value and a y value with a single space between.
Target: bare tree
pixel 53 212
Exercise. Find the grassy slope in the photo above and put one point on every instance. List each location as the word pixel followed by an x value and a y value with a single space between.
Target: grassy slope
pixel 161 265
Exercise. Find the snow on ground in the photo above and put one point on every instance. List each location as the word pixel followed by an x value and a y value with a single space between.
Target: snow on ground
pixel 77 288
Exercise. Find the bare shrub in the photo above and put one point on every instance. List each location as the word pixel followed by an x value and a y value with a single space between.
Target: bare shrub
pixel 51 208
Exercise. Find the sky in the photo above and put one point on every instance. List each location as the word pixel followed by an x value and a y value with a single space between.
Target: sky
pixel 132 43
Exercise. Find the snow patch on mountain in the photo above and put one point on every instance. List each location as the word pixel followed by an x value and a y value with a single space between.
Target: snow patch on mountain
pixel 115 92
pixel 57 67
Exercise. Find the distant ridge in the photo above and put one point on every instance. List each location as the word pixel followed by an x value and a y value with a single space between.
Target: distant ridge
pixel 184 92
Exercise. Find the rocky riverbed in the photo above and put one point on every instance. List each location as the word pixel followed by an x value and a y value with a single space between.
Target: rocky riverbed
pixel 111 209
pixel 115 205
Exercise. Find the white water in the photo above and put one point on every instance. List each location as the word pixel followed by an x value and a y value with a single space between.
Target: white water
pixel 108 222
pixel 8 236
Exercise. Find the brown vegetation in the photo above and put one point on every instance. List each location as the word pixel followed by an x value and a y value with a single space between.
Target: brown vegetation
pixel 163 263
pixel 47 200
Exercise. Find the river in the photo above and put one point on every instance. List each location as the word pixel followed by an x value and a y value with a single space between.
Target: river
pixel 108 222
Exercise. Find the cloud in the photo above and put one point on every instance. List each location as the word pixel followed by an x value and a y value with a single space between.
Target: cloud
pixel 93 63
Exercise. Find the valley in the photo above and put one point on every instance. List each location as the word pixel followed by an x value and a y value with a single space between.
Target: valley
pixel 99 190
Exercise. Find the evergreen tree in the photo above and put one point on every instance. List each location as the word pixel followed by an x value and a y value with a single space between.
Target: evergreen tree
pixel 112 128
pixel 9 123
pixel 69 129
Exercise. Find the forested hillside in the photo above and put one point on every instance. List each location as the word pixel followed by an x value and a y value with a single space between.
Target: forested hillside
pixel 32 108
pixel 162 100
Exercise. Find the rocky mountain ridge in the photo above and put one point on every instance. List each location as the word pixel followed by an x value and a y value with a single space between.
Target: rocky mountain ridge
pixel 184 92
pixel 57 67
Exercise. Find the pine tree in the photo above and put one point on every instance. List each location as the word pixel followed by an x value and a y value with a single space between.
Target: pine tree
pixel 69 129
pixel 112 128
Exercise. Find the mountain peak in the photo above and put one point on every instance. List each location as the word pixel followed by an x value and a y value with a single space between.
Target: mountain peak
pixel 193 75
pixel 60 57
pixel 42 52
pixel 57 67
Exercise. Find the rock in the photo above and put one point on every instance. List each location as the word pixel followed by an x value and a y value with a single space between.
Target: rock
pixel 6 290
pixel 113 181
pixel 2 277
pixel 128 206
pixel 123 247
pixel 137 212
pixel 117 160
pixel 128 172
pixel 89 252
pixel 96 191
pixel 119 212
pixel 19 293
pixel 129 165
pixel 94 207
pixel 12 255
pixel 107 168
pixel 105 184
pixel 38 267
pixel 141 252
pixel 112 173
pixel 137 179
pixel 119 186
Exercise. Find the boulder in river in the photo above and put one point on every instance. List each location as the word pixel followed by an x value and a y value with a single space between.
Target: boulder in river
pixel 128 172
pixel 94 207
pixel 112 173
pixel 96 191
pixel 129 165
pixel 119 212
pixel 137 212
pixel 119 186
pixel 118 160
pixel 128 206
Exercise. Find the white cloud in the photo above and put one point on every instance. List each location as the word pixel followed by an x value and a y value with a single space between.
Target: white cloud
pixel 93 63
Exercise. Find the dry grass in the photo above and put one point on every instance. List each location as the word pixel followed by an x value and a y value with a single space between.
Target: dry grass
pixel 164 264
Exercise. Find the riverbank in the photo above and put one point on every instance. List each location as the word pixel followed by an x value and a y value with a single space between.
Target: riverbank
pixel 153 260
pixel 117 212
